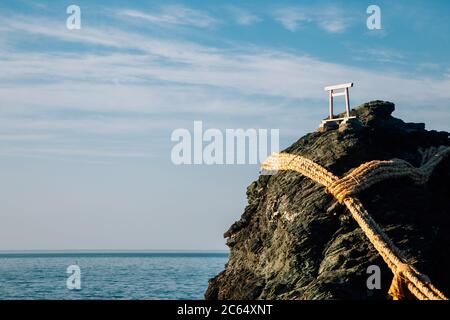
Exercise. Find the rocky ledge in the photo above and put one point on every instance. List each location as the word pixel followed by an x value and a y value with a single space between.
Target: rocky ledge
pixel 294 241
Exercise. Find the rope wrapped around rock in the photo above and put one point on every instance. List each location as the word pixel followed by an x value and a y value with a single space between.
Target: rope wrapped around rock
pixel 407 280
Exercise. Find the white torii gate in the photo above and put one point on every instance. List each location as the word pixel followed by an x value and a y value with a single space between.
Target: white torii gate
pixel 333 94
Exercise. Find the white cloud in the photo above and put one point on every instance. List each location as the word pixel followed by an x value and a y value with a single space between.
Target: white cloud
pixel 429 66
pixel 72 152
pixel 291 18
pixel 379 54
pixel 23 137
pixel 329 18
pixel 333 26
pixel 153 85
pixel 248 70
pixel 173 15
pixel 243 17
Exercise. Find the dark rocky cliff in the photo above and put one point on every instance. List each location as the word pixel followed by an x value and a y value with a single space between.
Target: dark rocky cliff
pixel 294 241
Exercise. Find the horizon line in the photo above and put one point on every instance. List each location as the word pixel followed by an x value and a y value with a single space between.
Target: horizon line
pixel 114 251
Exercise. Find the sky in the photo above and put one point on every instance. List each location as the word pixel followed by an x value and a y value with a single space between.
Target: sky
pixel 86 115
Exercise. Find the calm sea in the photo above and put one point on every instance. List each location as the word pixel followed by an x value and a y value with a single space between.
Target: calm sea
pixel 150 275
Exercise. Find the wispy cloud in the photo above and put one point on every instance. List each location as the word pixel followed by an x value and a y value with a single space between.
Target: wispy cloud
pixel 23 137
pixel 379 54
pixel 429 66
pixel 243 17
pixel 173 15
pixel 329 18
pixel 71 152
pixel 145 86
pixel 291 18
pixel 248 70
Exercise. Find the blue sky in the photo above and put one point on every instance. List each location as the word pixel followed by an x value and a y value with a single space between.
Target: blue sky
pixel 86 115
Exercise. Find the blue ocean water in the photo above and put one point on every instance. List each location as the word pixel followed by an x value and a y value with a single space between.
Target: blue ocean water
pixel 149 275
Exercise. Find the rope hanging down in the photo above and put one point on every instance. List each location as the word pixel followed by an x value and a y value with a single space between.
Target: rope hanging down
pixel 406 277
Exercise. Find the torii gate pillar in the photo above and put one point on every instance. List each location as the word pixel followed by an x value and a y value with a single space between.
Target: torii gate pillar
pixel 331 93
pixel 331 121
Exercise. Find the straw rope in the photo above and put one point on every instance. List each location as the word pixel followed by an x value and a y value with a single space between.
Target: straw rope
pixel 407 280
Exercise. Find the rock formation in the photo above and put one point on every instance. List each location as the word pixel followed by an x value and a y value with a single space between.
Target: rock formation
pixel 294 241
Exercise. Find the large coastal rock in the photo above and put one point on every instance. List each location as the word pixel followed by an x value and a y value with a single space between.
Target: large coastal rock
pixel 294 241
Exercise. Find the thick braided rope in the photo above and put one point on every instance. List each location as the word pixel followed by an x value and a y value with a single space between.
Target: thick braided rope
pixel 376 171
pixel 406 277
pixel 285 161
